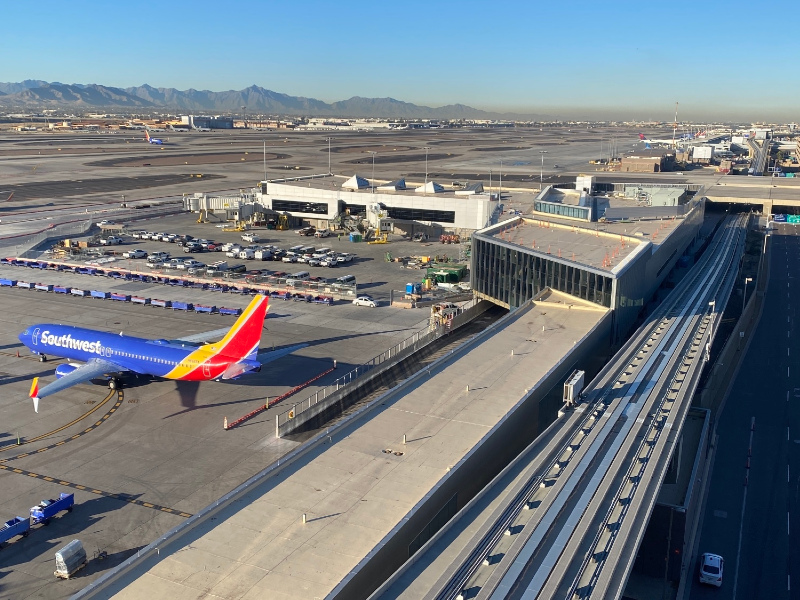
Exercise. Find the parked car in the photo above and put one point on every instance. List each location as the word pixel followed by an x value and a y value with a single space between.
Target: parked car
pixel 289 258
pixel 365 301
pixel 322 233
pixel 250 237
pixel 111 240
pixel 161 255
pixel 154 261
pixel 307 231
pixel 192 247
pixel 711 569
pixel 134 254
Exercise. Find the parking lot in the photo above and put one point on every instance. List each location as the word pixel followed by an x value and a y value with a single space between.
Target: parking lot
pixel 333 264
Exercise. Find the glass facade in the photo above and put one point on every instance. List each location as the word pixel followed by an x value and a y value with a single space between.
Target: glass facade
pixel 563 210
pixel 421 214
pixel 514 276
pixel 316 208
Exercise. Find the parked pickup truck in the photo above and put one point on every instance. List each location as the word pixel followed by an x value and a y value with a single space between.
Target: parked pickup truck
pixel 47 509
pixel 250 237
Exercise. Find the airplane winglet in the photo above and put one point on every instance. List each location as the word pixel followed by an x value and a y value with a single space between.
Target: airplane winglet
pixel 34 394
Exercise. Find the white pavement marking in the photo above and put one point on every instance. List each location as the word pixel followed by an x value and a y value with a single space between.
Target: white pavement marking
pixel 744 505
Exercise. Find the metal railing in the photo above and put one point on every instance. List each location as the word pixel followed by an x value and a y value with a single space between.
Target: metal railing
pixel 396 353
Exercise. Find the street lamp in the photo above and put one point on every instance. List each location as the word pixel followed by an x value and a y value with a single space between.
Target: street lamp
pixel 500 193
pixel 490 184
pixel 713 305
pixel 372 185
pixel 244 108
pixel 329 155
pixel 744 292
pixel 425 189
pixel 541 170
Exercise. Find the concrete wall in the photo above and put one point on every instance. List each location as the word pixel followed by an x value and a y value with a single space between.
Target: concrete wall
pixel 467 478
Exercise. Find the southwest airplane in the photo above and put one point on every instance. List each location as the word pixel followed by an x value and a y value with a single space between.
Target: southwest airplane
pixel 106 354
pixel 152 140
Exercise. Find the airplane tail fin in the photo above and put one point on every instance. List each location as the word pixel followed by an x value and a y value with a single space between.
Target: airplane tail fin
pixel 241 342
pixel 641 137
pixel 34 394
pixel 147 135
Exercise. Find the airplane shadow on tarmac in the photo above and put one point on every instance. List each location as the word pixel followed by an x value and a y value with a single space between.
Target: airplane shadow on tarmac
pixel 46 540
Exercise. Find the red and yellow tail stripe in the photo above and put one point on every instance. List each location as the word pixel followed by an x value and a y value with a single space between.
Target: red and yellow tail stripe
pixel 235 346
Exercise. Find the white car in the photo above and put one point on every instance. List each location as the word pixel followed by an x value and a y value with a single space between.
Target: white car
pixel 154 262
pixel 365 301
pixel 711 569
pixel 161 255
pixel 134 254
pixel 250 237
pixel 289 258
pixel 322 233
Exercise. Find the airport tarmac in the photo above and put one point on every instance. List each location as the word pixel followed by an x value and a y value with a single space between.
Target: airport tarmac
pixel 163 447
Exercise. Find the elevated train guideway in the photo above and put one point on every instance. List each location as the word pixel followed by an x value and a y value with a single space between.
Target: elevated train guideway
pixel 574 506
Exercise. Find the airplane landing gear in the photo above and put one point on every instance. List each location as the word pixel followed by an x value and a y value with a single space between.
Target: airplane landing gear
pixel 113 383
pixel 42 358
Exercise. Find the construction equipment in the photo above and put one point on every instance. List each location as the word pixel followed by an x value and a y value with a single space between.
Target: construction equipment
pixel 237 226
pixel 283 223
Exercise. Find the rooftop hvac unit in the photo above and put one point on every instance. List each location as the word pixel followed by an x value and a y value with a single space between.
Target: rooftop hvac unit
pixel 573 387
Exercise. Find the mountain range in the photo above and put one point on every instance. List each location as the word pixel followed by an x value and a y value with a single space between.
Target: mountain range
pixel 36 94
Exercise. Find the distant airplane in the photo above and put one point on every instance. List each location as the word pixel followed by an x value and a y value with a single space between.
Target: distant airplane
pixel 106 355
pixel 152 140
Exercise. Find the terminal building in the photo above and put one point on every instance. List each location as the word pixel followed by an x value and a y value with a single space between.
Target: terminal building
pixel 322 201
pixel 617 260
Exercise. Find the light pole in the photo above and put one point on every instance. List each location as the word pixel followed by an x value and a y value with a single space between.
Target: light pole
pixel 744 292
pixel 372 185
pixel 541 170
pixel 244 108
pixel 500 193
pixel 425 189
pixel 490 184
pixel 713 305
pixel 329 156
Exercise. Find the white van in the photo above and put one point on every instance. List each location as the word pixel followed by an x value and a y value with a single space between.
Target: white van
pixel 295 278
pixel 321 253
pixel 349 279
pixel 263 255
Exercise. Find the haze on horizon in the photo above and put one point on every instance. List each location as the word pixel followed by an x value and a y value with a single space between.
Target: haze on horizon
pixel 578 59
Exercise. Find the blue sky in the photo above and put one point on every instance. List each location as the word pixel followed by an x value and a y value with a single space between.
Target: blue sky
pixel 568 59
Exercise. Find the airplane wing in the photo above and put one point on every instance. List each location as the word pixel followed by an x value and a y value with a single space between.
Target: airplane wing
pixel 268 357
pixel 245 366
pixel 205 337
pixel 96 367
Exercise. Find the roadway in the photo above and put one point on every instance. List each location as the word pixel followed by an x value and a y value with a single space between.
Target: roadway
pixel 751 524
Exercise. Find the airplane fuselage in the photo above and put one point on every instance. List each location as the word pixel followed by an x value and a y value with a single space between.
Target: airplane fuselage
pixel 161 358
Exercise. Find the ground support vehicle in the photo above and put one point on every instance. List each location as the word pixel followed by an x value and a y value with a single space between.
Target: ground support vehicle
pixel 14 527
pixel 47 509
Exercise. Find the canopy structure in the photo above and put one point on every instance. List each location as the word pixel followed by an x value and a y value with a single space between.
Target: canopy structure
pixel 475 188
pixel 393 186
pixel 355 183
pixel 430 188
